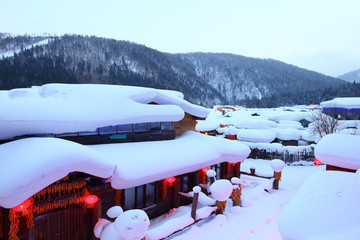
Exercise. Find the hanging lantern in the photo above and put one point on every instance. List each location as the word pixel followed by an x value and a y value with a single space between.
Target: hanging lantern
pixel 91 200
pixel 196 122
pixel 171 180
pixel 205 169
pixel 317 162
pixel 23 206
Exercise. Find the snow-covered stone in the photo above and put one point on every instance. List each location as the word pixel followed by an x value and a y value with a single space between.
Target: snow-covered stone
pixel 130 225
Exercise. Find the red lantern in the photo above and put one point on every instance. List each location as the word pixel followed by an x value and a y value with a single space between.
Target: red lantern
pixel 317 162
pixel 91 200
pixel 171 180
pixel 23 206
pixel 196 122
pixel 205 169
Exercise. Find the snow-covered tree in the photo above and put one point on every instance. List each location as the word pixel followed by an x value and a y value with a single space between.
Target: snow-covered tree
pixel 323 124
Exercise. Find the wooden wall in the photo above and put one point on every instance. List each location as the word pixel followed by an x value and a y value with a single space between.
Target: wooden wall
pixel 186 124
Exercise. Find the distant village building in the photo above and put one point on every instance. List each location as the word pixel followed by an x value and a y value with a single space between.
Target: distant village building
pixel 347 108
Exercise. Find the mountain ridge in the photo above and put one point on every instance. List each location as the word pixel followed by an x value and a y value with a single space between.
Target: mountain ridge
pixel 204 78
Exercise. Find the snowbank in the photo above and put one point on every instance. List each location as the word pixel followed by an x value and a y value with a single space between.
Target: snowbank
pixel 339 150
pixel 61 108
pixel 325 207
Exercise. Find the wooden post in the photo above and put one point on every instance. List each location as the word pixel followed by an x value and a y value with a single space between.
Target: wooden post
pixel 196 191
pixel 252 171
pixel 276 180
pixel 236 194
pixel 237 169
pixel 211 174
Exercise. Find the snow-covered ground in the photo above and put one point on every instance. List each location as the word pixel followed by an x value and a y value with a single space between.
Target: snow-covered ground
pixel 258 217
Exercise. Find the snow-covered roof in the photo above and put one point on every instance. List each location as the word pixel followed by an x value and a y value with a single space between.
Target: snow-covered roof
pixel 61 108
pixel 42 161
pixel 255 135
pixel 325 207
pixel 339 150
pixel 255 123
pixel 286 133
pixel 345 102
pixel 207 125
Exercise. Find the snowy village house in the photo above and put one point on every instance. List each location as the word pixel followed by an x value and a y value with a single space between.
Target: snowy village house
pixel 70 152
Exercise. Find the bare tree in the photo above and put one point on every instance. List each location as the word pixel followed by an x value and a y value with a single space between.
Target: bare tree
pixel 323 124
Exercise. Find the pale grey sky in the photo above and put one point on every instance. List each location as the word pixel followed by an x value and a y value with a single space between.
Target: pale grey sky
pixel 319 35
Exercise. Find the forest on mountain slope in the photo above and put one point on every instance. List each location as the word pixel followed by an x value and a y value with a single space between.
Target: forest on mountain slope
pixel 204 78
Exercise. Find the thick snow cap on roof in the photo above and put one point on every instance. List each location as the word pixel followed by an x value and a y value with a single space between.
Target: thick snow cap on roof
pixel 339 150
pixel 61 108
pixel 29 165
pixel 42 161
pixel 325 207
pixel 256 123
pixel 286 133
pixel 207 125
pixel 255 135
pixel 140 163
pixel 346 102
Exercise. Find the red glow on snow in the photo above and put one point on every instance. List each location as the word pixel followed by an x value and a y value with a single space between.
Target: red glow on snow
pixel 23 206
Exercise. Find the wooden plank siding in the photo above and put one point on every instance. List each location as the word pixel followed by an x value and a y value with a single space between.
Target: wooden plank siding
pixel 186 124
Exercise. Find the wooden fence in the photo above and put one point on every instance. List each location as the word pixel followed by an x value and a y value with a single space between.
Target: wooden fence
pixel 306 155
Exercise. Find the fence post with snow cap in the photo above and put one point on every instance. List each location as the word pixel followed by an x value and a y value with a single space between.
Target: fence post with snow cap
pixel 196 191
pixel 277 165
pixel 236 193
pixel 252 170
pixel 211 174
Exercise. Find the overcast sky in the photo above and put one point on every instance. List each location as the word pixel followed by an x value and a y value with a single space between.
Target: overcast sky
pixel 320 35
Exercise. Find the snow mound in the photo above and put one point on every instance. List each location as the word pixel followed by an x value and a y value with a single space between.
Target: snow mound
pixel 221 189
pixel 277 165
pixel 325 207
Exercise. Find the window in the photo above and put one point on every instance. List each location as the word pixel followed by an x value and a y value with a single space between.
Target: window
pixel 150 194
pixel 140 127
pixel 167 126
pixel 129 198
pixel 185 184
pixel 85 133
pixel 154 126
pixel 124 128
pixel 140 197
pixel 108 130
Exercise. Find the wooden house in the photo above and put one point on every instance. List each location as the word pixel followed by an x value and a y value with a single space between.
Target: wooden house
pixel 68 155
